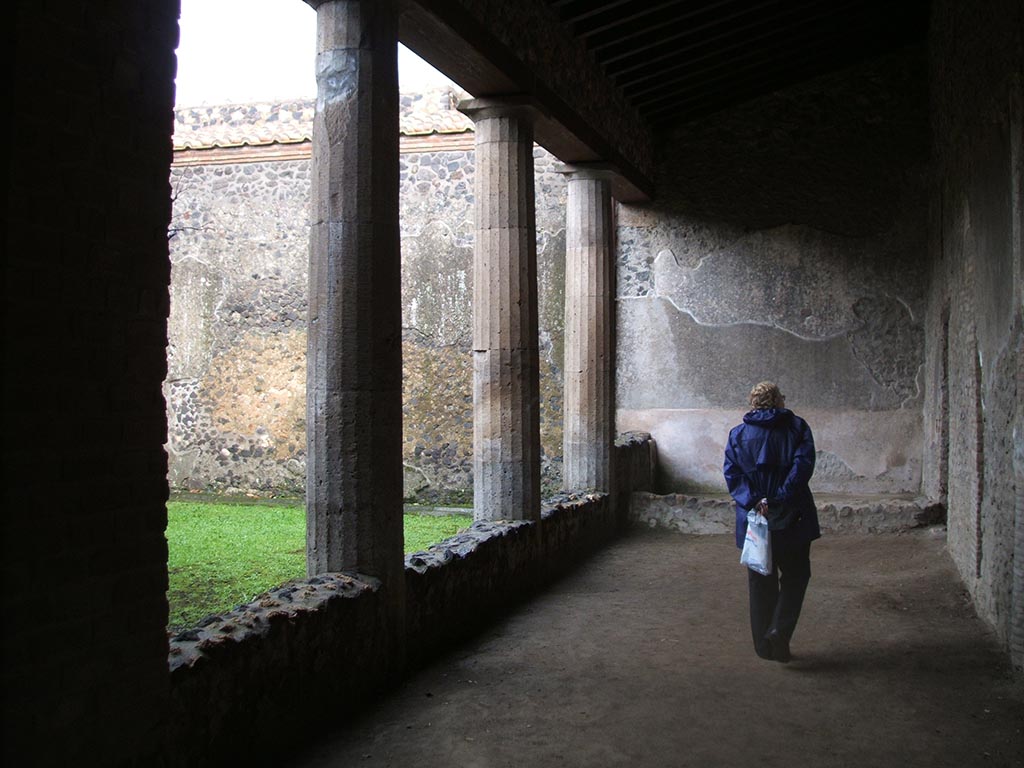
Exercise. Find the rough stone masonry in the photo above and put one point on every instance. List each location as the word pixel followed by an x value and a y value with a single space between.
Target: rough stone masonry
pixel 236 381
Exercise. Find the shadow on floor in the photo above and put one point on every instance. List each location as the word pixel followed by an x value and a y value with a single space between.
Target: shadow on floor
pixel 642 657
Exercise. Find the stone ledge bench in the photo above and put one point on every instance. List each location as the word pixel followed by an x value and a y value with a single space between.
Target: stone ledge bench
pixel 714 513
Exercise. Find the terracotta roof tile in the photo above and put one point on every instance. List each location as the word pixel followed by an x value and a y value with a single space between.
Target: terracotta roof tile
pixel 236 125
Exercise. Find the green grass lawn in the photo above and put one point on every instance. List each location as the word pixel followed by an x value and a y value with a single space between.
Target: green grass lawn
pixel 221 555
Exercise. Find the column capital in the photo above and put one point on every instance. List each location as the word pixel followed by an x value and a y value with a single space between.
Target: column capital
pixel 599 171
pixel 517 105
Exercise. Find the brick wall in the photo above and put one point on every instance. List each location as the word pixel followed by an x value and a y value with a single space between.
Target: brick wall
pixel 975 317
pixel 85 309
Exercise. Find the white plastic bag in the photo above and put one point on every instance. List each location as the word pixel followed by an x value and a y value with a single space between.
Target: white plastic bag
pixel 757 547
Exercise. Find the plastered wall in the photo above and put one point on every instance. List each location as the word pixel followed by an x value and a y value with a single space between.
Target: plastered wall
pixel 788 242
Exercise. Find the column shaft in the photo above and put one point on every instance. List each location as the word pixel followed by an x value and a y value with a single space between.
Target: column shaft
pixel 589 416
pixel 506 390
pixel 354 364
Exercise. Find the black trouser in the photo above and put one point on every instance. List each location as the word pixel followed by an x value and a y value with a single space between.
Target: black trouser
pixel 775 600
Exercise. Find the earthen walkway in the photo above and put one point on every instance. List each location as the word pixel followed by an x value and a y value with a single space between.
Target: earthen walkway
pixel 642 657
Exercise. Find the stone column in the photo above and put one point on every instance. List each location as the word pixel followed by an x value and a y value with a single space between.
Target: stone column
pixel 589 396
pixel 506 389
pixel 354 360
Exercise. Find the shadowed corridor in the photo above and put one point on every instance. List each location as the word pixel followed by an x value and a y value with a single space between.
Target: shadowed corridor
pixel 642 656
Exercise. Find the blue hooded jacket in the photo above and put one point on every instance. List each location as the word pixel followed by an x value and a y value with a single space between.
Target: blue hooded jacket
pixel 771 456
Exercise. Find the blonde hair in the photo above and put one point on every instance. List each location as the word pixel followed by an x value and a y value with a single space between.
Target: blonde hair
pixel 766 395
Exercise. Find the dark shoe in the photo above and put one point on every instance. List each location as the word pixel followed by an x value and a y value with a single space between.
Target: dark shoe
pixel 780 646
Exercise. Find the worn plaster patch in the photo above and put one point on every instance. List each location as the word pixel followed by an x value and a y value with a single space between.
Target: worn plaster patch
pixel 797 279
pixel 889 343
pixel 829 466
pixel 437 421
pixel 436 301
pixel 258 386
pixel 337 74
pixel 198 289
pixel 413 481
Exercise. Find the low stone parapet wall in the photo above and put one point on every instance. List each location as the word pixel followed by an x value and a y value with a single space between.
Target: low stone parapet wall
pixel 455 587
pixel 308 648
pixel 711 514
pixel 320 645
pixel 636 457
pixel 308 653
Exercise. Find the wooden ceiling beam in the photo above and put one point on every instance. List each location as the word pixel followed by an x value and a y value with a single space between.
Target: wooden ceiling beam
pixel 713 46
pixel 613 21
pixel 638 26
pixel 588 10
pixel 692 68
pixel 720 21
pixel 704 38
pixel 756 60
pixel 466 49
pixel 702 101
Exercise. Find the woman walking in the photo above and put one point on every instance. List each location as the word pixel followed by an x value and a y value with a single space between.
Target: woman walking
pixel 769 460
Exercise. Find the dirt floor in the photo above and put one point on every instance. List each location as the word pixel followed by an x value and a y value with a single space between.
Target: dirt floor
pixel 642 657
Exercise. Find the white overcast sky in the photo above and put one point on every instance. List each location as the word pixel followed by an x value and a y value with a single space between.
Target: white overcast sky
pixel 237 51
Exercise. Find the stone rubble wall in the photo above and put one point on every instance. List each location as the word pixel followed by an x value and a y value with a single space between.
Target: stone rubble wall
pixel 236 380
pixel 788 242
